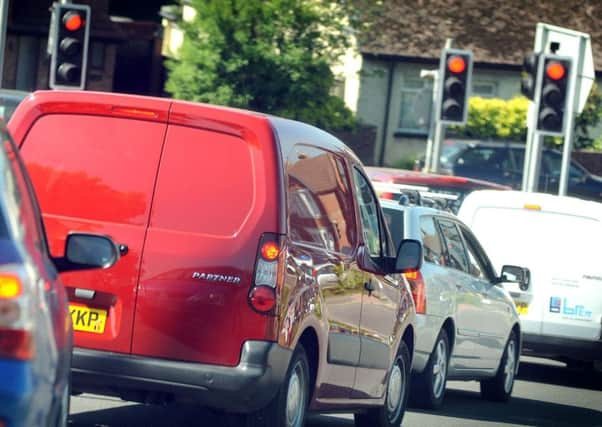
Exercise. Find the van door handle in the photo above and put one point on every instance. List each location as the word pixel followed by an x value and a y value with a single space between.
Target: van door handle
pixel 123 249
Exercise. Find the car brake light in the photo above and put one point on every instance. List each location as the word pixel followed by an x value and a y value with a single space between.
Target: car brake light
pixel 262 296
pixel 16 344
pixel 418 290
pixel 16 341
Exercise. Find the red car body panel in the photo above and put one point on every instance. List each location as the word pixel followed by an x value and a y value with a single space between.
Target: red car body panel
pixel 402 176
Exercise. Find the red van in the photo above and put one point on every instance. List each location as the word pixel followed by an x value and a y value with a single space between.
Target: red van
pixel 257 273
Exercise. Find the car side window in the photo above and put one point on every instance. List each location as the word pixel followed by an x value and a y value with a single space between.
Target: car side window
pixel 456 255
pixel 479 265
pixel 369 217
pixel 320 202
pixel 431 241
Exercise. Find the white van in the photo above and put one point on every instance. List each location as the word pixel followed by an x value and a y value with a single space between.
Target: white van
pixel 560 240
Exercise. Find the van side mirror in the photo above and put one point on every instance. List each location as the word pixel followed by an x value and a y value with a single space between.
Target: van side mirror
pixel 515 274
pixel 409 256
pixel 85 251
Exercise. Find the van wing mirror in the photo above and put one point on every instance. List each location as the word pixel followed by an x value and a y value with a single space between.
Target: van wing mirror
pixel 515 274
pixel 85 251
pixel 409 256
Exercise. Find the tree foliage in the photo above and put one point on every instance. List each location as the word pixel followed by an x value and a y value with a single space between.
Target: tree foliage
pixel 268 56
pixel 494 118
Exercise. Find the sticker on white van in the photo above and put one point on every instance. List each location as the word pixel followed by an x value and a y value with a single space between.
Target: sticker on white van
pixel 570 311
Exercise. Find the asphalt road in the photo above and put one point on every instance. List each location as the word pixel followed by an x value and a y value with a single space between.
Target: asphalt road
pixel 546 394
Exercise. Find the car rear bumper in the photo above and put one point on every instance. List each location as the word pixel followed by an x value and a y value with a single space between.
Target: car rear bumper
pixel 556 347
pixel 246 387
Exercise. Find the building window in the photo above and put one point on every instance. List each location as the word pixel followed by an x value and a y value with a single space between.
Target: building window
pixel 416 102
pixel 484 89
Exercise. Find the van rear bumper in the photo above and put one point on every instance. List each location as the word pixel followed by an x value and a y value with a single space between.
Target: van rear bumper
pixel 548 346
pixel 244 388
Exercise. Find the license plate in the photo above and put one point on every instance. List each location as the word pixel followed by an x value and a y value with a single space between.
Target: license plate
pixel 88 319
pixel 522 307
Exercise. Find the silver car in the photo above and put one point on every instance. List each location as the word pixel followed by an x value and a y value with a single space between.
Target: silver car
pixel 467 327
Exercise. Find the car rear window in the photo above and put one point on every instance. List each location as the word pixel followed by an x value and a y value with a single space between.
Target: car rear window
pixel 394 220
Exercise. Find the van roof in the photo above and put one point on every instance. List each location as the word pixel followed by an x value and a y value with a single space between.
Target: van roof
pixel 218 118
pixel 533 201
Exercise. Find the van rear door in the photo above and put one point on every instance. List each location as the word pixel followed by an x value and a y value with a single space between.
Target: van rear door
pixel 217 192
pixel 96 173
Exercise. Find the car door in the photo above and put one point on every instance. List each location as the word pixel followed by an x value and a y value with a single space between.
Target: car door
pixel 97 177
pixel 381 298
pixel 495 317
pixel 468 298
pixel 322 243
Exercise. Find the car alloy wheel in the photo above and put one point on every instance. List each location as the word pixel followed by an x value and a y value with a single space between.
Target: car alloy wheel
pixel 439 369
pixel 509 366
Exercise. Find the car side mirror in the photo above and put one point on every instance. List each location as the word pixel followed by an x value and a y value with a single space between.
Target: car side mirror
pixel 409 256
pixel 85 251
pixel 515 274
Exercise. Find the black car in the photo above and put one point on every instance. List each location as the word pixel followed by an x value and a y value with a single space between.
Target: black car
pixel 502 162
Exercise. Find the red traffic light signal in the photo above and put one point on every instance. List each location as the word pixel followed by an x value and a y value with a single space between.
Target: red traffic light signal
pixel 69 37
pixel 455 80
pixel 555 70
pixel 552 94
pixel 72 21
pixel 456 64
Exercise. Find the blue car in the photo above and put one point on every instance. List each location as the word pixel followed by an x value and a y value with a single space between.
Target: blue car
pixel 35 325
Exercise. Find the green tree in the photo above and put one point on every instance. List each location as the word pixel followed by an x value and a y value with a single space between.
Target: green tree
pixel 268 56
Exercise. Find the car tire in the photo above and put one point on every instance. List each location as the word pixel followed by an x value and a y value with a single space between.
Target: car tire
pixel 396 398
pixel 428 387
pixel 499 388
pixel 289 406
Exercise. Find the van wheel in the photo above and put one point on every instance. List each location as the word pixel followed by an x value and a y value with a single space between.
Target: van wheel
pixel 398 387
pixel 428 387
pixel 499 388
pixel 288 408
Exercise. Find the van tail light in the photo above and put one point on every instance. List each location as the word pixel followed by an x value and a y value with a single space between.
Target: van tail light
pixel 262 296
pixel 16 340
pixel 418 289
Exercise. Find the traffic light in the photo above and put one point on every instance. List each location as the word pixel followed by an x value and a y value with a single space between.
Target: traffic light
pixel 552 93
pixel 455 72
pixel 69 35
pixel 529 79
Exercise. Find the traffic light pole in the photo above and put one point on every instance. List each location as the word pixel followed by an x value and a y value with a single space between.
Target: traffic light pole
pixel 572 108
pixel 439 126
